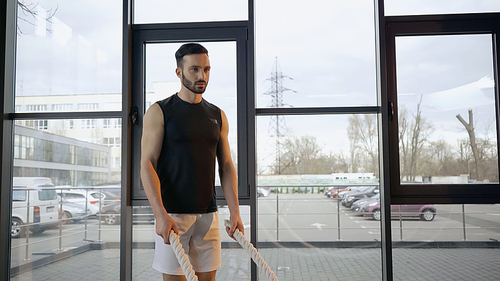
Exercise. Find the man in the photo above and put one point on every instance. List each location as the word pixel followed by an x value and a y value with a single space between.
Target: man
pixel 182 136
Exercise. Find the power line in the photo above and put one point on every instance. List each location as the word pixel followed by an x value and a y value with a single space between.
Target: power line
pixel 277 125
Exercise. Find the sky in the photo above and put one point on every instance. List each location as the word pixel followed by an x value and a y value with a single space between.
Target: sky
pixel 326 49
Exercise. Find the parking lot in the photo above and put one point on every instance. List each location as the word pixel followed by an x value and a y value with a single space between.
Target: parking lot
pixel 294 217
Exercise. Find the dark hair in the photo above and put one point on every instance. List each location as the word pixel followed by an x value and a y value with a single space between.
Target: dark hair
pixel 189 49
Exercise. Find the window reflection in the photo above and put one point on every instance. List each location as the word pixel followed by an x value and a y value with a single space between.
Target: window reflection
pixel 447 126
pixel 427 7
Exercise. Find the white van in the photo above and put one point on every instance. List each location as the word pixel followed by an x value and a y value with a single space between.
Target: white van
pixel 43 205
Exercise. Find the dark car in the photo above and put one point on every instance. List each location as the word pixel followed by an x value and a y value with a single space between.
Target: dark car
pixel 358 205
pixel 353 196
pixel 341 193
pixel 111 214
pixel 425 212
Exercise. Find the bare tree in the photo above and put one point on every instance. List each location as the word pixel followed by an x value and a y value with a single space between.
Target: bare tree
pixel 414 133
pixel 29 13
pixel 438 158
pixel 478 154
pixel 472 142
pixel 303 155
pixel 363 140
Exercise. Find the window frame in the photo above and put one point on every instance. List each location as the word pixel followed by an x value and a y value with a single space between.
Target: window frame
pixel 236 31
pixel 459 24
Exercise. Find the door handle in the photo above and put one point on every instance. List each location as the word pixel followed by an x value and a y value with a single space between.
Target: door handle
pixel 391 111
pixel 134 115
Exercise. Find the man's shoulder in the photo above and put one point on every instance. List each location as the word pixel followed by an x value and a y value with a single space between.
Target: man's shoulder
pixel 167 102
pixel 210 105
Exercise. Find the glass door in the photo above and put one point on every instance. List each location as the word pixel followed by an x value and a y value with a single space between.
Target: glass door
pixel 154 80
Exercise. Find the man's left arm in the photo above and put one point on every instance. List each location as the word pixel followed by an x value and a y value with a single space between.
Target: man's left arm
pixel 228 178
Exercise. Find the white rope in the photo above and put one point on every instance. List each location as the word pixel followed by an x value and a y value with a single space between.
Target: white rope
pixel 252 252
pixel 182 257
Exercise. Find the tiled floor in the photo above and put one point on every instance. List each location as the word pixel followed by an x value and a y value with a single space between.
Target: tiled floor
pixel 293 264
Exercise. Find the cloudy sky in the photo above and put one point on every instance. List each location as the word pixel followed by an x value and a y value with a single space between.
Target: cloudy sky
pixel 325 48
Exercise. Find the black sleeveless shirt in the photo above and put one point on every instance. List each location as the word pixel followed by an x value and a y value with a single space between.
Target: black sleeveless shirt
pixel 186 165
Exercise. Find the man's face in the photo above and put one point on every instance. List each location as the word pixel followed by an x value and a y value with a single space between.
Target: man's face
pixel 195 72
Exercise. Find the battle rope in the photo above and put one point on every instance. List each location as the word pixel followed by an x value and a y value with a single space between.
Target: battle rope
pixel 252 252
pixel 182 257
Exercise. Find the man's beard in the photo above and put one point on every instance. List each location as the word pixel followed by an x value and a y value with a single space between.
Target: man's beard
pixel 192 86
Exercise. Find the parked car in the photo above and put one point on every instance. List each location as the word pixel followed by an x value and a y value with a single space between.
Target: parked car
pixel 114 189
pixel 34 203
pixel 263 191
pixel 337 191
pixel 353 196
pixel 358 205
pixel 342 193
pixel 89 199
pixel 109 197
pixel 426 212
pixel 71 212
pixel 329 191
pixel 111 214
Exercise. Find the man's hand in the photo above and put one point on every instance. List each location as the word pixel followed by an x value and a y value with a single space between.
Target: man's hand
pixel 165 223
pixel 236 223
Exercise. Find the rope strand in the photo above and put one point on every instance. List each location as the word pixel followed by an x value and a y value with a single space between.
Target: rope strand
pixel 182 257
pixel 252 252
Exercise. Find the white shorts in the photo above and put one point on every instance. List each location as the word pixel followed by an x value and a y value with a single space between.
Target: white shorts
pixel 200 239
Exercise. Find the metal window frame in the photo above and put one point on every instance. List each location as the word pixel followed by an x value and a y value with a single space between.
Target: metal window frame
pixel 452 24
pixel 201 32
pixel 126 206
pixel 383 140
pixel 8 33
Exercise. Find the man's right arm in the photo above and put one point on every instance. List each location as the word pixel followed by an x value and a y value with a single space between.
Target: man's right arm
pixel 151 144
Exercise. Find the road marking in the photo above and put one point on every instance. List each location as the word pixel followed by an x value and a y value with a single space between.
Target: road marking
pixel 363 226
pixel 493 214
pixel 318 225
pixel 371 232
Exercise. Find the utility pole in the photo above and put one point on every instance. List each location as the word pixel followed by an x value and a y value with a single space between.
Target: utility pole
pixel 277 124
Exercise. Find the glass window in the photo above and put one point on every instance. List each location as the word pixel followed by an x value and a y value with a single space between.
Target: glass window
pixel 447 125
pixel 87 106
pixel 311 172
pixel 422 7
pixel 106 123
pixel 19 195
pixel 47 194
pixel 160 11
pixel 62 107
pixel 78 221
pixel 444 223
pixel 65 60
pixel 319 53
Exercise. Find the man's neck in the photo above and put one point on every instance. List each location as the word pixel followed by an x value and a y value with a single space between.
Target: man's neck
pixel 188 96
